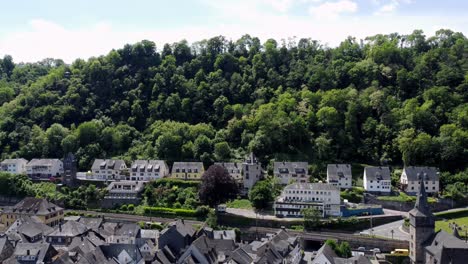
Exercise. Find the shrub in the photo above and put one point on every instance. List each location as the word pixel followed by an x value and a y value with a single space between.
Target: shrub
pixel 131 207
pixel 172 212
pixel 123 207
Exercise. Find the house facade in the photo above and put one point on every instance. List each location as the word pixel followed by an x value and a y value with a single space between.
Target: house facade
pixel 340 175
pixel 14 166
pixel 288 172
pixel 148 170
pixel 410 180
pixel 44 169
pixel 123 192
pixel 41 209
pixel 298 196
pixel 251 172
pixel 187 170
pixel 108 170
pixel 377 179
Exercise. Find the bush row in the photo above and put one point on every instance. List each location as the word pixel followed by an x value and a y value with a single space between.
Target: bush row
pixel 201 211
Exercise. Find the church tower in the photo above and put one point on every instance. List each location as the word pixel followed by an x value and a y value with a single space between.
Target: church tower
pixel 422 224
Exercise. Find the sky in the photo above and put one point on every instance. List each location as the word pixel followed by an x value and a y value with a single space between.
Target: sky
pixel 31 30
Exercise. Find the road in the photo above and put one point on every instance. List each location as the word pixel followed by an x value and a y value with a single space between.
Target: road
pixel 386 231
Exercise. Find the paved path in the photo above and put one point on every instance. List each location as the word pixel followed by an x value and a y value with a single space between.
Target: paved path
pixel 386 231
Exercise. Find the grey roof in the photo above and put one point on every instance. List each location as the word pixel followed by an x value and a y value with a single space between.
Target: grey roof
pixel 35 206
pixel 327 252
pixel 40 250
pixel 148 165
pixel 91 222
pixel 69 229
pixel 231 167
pixel 241 256
pixel 377 173
pixel 426 173
pixel 421 207
pixel 187 166
pixel 128 229
pixel 337 171
pixel 446 248
pixel 113 251
pixel 42 162
pixel 290 167
pixel 224 234
pixel 7 161
pixel 107 164
pixel 312 186
pixel 352 260
pixel 185 229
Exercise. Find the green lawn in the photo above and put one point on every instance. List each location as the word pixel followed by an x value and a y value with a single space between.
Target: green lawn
pixel 403 197
pixel 239 203
pixel 459 217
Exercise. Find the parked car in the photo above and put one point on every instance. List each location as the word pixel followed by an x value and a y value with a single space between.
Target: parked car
pixel 376 250
pixel 361 248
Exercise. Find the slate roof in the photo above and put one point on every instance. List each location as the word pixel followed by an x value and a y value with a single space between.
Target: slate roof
pixel 148 165
pixel 337 171
pixel 224 234
pixel 91 222
pixel 426 173
pixel 42 162
pixel 107 164
pixel 421 207
pixel 69 229
pixel 185 229
pixel 113 251
pixel 231 167
pixel 377 173
pixel 312 186
pixel 127 229
pixel 290 167
pixel 149 233
pixel 34 206
pixel 187 166
pixel 446 248
pixel 27 226
pixel 352 260
pixel 40 250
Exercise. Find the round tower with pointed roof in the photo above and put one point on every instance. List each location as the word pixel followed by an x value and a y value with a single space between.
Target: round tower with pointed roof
pixel 422 224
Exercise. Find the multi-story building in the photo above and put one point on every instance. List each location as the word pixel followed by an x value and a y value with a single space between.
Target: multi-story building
pixel 377 179
pixel 14 166
pixel 123 192
pixel 234 169
pixel 40 209
pixel 187 170
pixel 288 172
pixel 411 177
pixel 251 172
pixel 108 170
pixel 298 196
pixel 44 169
pixel 69 170
pixel 339 175
pixel 147 170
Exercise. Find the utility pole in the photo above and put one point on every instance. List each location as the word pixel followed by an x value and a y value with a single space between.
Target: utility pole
pixel 371 228
pixel 392 231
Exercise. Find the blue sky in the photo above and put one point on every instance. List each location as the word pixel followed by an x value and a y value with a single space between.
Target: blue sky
pixel 32 30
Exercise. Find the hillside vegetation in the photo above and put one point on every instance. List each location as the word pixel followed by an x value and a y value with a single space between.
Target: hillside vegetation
pixel 387 99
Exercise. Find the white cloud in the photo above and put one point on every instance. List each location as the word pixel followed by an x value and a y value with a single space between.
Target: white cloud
pixel 331 10
pixel 44 38
pixel 387 7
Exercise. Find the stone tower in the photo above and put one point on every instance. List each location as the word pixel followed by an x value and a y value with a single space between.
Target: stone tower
pixel 422 224
pixel 251 172
pixel 69 170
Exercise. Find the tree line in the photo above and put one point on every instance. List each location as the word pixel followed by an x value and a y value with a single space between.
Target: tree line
pixel 387 99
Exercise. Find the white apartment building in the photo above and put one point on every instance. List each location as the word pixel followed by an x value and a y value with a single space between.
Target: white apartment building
pixel 340 175
pixel 108 170
pixel 14 166
pixel 298 196
pixel 288 172
pixel 147 170
pixel 377 179
pixel 411 177
pixel 44 169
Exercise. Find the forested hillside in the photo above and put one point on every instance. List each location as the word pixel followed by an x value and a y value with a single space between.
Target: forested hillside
pixel 387 99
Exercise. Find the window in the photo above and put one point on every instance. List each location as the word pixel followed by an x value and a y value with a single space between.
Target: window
pixel 412 188
pixel 433 188
pixel 371 181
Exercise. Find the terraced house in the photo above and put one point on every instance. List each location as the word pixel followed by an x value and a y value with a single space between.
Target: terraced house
pixel 108 170
pixel 411 177
pixel 147 170
pixel 288 172
pixel 187 170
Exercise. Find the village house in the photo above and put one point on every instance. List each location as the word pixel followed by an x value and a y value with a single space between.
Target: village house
pixel 187 170
pixel 63 234
pixel 234 169
pixel 148 170
pixel 122 192
pixel 14 166
pixel 339 175
pixel 377 179
pixel 108 170
pixel 44 169
pixel 251 173
pixel 40 209
pixel 298 196
pixel 326 255
pixel 289 172
pixel 411 176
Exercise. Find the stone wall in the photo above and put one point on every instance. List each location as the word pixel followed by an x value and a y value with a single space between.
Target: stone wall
pixel 441 205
